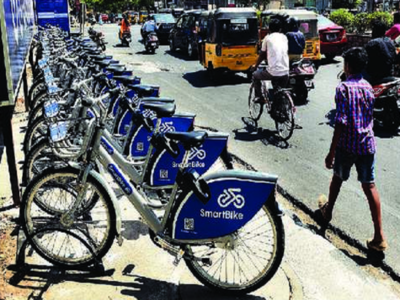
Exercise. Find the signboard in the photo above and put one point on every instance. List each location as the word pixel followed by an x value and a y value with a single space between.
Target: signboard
pixel 16 31
pixel 54 12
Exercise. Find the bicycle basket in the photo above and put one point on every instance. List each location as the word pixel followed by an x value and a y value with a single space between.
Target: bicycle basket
pixel 51 109
pixel 58 131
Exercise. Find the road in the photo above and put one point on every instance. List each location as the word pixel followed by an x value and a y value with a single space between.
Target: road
pixel 300 163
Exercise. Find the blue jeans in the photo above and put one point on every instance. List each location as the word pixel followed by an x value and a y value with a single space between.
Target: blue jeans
pixel 365 165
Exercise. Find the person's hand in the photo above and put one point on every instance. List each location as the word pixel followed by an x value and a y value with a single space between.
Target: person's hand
pixel 329 160
pixel 253 68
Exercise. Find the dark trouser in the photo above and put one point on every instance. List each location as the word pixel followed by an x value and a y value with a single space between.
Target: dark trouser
pixel 259 75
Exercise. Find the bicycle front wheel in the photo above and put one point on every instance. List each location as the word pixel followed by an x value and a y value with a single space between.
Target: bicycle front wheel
pixel 255 109
pixel 68 242
pixel 284 124
pixel 246 261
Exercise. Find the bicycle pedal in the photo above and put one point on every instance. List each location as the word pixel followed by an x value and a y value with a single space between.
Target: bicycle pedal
pixel 178 257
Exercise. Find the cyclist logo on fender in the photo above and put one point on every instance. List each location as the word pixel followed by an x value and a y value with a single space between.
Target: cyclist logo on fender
pixel 167 127
pixel 197 153
pixel 147 113
pixel 231 196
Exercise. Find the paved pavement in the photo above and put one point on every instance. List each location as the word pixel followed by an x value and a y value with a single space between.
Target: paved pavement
pixel 300 163
pixel 312 267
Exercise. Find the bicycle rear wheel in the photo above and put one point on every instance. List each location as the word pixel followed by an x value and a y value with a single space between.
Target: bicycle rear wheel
pixel 255 109
pixel 285 122
pixel 246 261
pixel 68 243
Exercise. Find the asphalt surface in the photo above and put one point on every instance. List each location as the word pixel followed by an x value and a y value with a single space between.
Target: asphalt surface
pixel 221 104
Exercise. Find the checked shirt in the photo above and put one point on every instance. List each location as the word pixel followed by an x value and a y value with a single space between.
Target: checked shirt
pixel 354 109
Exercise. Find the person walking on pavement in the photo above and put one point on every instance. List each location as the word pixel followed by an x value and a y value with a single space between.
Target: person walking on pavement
pixel 353 143
pixel 274 49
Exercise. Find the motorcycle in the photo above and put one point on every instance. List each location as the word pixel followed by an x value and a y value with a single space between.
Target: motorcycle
pixel 151 42
pixel 126 38
pixel 386 107
pixel 301 78
pixel 387 103
pixel 98 38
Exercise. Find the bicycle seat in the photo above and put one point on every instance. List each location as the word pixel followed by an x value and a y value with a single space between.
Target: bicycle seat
pixel 102 63
pixel 188 139
pixel 98 56
pixel 143 90
pixel 116 70
pixel 126 79
pixel 161 109
pixel 156 99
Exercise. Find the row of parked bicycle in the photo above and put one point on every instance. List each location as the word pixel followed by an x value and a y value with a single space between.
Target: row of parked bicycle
pixel 90 117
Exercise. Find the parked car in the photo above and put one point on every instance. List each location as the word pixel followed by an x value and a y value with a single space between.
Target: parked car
pixel 183 35
pixel 332 37
pixel 104 17
pixel 165 23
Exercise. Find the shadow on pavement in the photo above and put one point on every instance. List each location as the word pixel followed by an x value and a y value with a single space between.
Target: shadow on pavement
pixel 200 79
pixel 132 230
pixel 40 278
pixel 180 55
pixel 194 291
pixel 251 132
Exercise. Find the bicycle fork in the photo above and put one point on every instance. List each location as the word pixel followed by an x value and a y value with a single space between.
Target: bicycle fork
pixel 68 218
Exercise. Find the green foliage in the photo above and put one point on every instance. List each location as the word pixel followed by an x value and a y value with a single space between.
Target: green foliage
pixel 385 17
pixel 343 18
pixel 361 22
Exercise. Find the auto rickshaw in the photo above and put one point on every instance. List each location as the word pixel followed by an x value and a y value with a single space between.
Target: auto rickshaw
pixel 231 42
pixel 308 26
pixel 143 16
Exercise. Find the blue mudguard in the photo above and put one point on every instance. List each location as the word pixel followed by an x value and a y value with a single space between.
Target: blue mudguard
pixel 236 196
pixel 165 167
pixel 140 142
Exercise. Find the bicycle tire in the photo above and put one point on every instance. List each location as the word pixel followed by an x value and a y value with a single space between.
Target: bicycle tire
pixel 286 107
pixel 38 159
pixel 37 131
pixel 40 98
pixel 36 88
pixel 37 228
pixel 202 274
pixel 255 109
pixel 34 114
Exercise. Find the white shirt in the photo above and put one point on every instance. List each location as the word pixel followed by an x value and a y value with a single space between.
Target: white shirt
pixel 277 48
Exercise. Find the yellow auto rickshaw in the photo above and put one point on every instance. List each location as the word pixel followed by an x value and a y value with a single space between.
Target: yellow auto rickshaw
pixel 143 16
pixel 231 40
pixel 308 26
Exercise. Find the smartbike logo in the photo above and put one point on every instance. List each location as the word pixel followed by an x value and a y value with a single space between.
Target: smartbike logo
pixel 227 198
pixel 120 179
pixel 196 155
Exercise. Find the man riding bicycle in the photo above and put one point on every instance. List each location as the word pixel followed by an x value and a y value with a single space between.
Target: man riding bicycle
pixel 274 49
